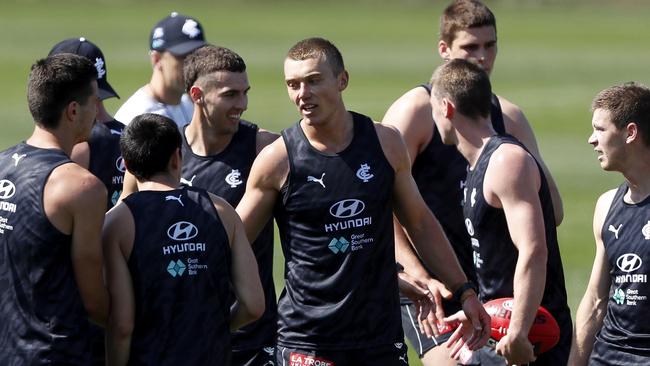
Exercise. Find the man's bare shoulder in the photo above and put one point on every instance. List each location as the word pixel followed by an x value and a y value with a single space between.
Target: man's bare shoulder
pixel 411 107
pixel 605 201
pixel 271 166
pixel 513 116
pixel 393 145
pixel 71 182
pixel 264 138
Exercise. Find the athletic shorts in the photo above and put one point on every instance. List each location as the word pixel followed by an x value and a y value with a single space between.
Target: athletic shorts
pixel 388 355
pixel 262 356
pixel 419 341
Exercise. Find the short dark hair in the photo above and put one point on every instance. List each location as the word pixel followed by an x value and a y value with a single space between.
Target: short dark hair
pixel 56 81
pixel 316 47
pixel 626 103
pixel 147 144
pixel 209 59
pixel 466 84
pixel 464 14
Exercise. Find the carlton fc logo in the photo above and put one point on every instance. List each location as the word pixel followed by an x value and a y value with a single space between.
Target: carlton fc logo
pixel 233 178
pixel 347 208
pixel 7 189
pixel 182 230
pixel 629 262
pixel 364 174
pixel 119 164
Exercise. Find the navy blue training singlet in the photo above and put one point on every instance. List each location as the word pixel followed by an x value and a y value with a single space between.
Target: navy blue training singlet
pixel 335 220
pixel 225 175
pixel 42 317
pixel 495 255
pixel 180 267
pixel 624 338
pixel 106 161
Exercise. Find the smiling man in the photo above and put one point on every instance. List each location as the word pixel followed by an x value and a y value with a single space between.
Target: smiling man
pixel 333 181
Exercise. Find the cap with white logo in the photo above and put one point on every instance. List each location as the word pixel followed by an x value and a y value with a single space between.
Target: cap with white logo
pixel 83 47
pixel 177 34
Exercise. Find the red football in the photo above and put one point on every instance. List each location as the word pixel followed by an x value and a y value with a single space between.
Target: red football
pixel 544 334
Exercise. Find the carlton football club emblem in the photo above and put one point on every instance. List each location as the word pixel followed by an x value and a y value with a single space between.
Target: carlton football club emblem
pixel 233 178
pixel 646 231
pixel 119 164
pixel 364 174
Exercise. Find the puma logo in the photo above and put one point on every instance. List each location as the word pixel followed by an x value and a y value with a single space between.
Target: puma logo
pixel 17 158
pixel 188 182
pixel 174 198
pixel 320 181
pixel 615 230
pixel 116 132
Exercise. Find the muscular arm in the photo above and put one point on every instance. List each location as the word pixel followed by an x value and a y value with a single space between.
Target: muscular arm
pixel 267 175
pixel 411 116
pixel 517 125
pixel 117 237
pixel 425 231
pixel 264 138
pixel 592 309
pixel 75 202
pixel 512 182
pixel 244 273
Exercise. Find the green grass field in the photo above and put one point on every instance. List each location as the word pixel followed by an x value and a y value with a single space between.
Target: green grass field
pixel 552 60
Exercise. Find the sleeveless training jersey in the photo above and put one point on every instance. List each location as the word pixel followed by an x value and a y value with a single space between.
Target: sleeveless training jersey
pixel 225 175
pixel 106 159
pixel 180 267
pixel 625 335
pixel 439 172
pixel 495 255
pixel 42 316
pixel 335 222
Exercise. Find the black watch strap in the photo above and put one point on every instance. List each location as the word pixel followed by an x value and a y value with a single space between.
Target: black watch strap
pixel 464 287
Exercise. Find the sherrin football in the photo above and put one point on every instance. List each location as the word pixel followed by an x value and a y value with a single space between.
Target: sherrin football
pixel 544 333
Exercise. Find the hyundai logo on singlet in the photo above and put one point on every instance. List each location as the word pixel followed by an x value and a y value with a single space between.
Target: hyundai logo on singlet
pixel 182 230
pixel 119 164
pixel 347 208
pixel 629 262
pixel 7 189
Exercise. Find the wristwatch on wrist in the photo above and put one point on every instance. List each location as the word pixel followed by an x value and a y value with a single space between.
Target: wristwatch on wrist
pixel 469 285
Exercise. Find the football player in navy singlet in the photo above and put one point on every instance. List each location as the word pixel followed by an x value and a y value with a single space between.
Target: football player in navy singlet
pixel 218 151
pixel 170 274
pixel 51 214
pixel 612 324
pixel 333 182
pixel 508 213
pixel 467 31
pixel 101 153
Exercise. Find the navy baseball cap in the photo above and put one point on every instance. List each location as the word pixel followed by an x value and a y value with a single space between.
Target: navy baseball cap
pixel 177 34
pixel 83 47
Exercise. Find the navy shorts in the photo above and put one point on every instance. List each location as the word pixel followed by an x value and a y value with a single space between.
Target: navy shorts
pixel 388 355
pixel 419 341
pixel 262 356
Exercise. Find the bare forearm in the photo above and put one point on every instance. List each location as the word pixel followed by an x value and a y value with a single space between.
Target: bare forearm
pixel 589 319
pixel 529 282
pixel 118 347
pixel 240 316
pixel 436 252
pixel 405 255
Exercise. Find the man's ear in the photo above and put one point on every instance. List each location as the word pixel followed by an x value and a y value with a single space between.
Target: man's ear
pixel 196 93
pixel 176 160
pixel 154 57
pixel 71 111
pixel 632 130
pixel 449 108
pixel 444 50
pixel 344 78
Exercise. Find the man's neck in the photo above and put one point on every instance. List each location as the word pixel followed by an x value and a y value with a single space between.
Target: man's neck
pixel 204 140
pixel 159 182
pixel 333 136
pixel 472 136
pixel 51 139
pixel 637 175
pixel 156 88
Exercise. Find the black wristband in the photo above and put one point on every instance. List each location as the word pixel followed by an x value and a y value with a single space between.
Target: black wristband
pixel 464 287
